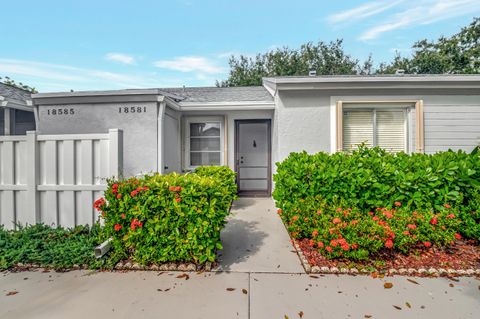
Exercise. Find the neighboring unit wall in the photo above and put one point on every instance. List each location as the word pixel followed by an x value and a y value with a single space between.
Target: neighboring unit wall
pixel 137 120
pixel 306 120
pixel 451 122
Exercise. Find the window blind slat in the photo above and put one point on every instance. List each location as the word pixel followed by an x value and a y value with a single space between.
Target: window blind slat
pixel 391 130
pixel 357 129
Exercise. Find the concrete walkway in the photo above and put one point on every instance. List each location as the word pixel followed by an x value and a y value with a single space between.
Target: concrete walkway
pixel 81 294
pixel 261 278
pixel 255 240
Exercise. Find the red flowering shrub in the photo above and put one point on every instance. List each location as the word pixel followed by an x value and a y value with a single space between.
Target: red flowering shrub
pixel 355 234
pixel 168 218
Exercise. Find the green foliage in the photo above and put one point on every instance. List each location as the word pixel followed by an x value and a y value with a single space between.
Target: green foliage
pixel 459 53
pixel 342 231
pixel 49 247
pixel 368 179
pixel 19 85
pixel 325 58
pixel 168 218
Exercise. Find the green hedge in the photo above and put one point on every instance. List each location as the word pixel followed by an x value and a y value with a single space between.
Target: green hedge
pixel 168 218
pixel 370 178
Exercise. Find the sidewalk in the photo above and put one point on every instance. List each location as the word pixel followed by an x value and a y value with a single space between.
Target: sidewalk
pixel 81 294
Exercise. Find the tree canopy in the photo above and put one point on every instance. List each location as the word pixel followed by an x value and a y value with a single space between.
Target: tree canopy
pixel 8 81
pixel 459 53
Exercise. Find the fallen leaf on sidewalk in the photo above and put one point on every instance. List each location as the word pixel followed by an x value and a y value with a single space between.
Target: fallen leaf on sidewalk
pixel 230 289
pixel 387 285
pixel 413 281
pixel 397 307
pixel 451 285
pixel 286 317
pixel 408 304
pixel 184 276
pixel 313 276
pixel 11 293
pixel 300 314
pixel 367 316
pixel 244 291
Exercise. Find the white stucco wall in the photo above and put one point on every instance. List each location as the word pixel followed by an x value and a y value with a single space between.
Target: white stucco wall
pixel 306 120
pixel 139 128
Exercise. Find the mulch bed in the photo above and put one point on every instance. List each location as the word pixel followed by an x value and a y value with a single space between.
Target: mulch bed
pixel 461 256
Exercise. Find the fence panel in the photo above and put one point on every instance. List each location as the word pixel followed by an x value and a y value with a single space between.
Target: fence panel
pixel 54 179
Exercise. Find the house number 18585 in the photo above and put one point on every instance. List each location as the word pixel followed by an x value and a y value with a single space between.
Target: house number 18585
pixel 132 109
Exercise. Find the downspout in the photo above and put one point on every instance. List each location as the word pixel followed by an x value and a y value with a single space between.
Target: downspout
pixel 160 134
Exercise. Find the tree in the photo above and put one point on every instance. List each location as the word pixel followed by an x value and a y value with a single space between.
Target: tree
pixel 8 81
pixel 324 58
pixel 458 54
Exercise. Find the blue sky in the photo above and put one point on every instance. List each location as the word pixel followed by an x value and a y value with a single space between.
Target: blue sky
pixel 103 44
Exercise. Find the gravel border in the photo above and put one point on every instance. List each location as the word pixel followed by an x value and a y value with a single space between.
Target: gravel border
pixel 124 265
pixel 392 271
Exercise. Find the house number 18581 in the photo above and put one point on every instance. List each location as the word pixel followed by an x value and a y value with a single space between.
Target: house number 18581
pixel 132 109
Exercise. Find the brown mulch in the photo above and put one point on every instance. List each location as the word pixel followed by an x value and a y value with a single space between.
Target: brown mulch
pixel 463 255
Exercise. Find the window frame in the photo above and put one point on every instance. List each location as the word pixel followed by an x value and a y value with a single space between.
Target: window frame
pixel 373 109
pixel 203 119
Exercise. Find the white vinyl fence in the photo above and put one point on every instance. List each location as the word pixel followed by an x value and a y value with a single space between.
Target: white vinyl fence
pixel 54 179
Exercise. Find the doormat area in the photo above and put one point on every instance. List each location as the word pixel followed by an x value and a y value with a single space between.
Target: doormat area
pixel 463 259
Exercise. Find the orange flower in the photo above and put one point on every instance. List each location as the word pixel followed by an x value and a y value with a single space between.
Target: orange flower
pixel 320 244
pixel 427 244
pixel 406 232
pixel 329 249
pixel 119 196
pixel 279 211
pixel 336 220
pixel 451 216
pixel 389 243
pixel 412 226
pixel 295 217
pixel 398 204
pixel 314 233
pixel 458 236
pixel 123 216
pixel 178 199
pixel 447 206
pixel 319 212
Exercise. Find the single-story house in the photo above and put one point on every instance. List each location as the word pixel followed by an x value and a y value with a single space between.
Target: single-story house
pixel 251 128
pixel 16 111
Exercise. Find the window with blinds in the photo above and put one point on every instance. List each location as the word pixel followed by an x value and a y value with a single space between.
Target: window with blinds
pixel 385 128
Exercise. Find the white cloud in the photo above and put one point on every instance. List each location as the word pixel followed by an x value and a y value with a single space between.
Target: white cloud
pixel 120 57
pixel 54 77
pixel 190 64
pixel 422 12
pixel 363 11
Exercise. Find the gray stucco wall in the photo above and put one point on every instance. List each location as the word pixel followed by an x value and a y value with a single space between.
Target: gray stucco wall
pixel 139 128
pixel 305 120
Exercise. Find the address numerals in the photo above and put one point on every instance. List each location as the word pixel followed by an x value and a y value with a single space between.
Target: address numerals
pixel 61 111
pixel 132 109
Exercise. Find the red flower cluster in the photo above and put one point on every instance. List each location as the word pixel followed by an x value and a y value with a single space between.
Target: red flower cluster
pixel 137 190
pixel 117 227
pixel 279 211
pixel 175 188
pixel 336 220
pixel 135 223
pixel 115 188
pixel 434 221
pixel 99 203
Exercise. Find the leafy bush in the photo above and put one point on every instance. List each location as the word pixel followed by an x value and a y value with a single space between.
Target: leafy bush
pixel 342 231
pixel 370 178
pixel 168 218
pixel 49 247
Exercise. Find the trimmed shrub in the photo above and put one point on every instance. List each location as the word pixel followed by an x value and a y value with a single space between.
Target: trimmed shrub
pixel 370 178
pixel 168 218
pixel 343 231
